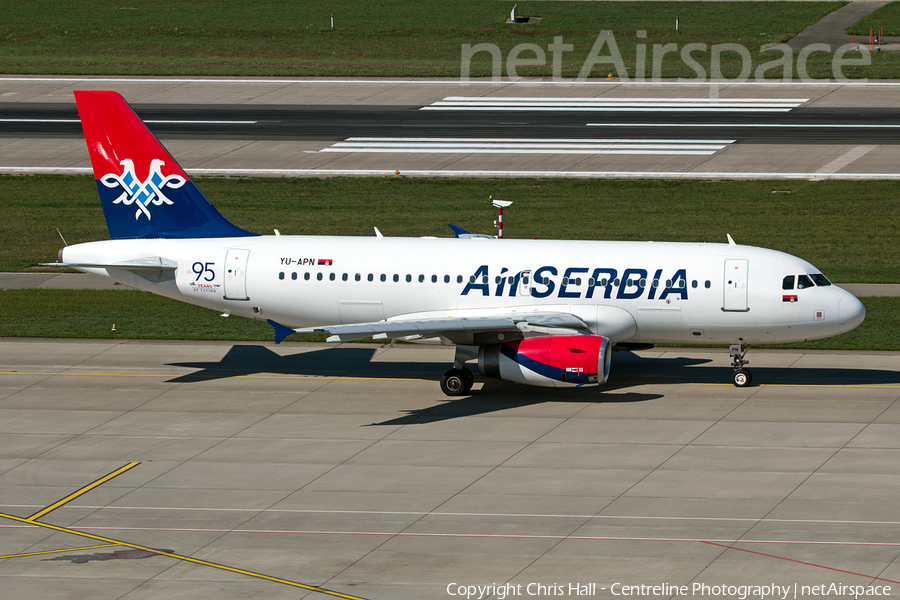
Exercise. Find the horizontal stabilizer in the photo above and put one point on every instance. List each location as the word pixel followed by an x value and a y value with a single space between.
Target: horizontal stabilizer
pixel 154 263
pixel 281 331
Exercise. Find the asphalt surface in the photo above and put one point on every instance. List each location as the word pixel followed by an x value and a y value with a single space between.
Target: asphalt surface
pixel 344 467
pixel 857 125
pixel 477 128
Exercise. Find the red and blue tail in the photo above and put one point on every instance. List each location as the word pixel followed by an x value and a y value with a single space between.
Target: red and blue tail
pixel 144 192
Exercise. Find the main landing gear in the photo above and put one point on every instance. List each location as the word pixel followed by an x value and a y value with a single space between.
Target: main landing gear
pixel 741 376
pixel 457 382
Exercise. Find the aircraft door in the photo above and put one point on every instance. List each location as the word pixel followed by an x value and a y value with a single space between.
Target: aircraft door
pixel 524 284
pixel 735 297
pixel 236 274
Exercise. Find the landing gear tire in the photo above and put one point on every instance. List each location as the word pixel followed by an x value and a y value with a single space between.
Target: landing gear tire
pixel 468 378
pixel 457 382
pixel 742 377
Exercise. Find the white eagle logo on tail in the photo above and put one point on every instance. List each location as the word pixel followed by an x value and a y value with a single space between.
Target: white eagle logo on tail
pixel 146 193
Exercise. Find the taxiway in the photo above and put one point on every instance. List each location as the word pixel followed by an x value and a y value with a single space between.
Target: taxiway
pixel 343 466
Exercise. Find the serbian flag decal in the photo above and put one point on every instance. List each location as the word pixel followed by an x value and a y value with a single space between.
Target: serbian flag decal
pixel 325 262
pixel 789 299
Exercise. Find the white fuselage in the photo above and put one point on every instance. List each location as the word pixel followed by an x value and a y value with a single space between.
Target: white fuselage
pixel 643 292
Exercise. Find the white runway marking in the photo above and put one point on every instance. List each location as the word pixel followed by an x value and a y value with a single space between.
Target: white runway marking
pixel 469 514
pixel 779 125
pixel 525 536
pixel 529 146
pixel 618 104
pixel 146 121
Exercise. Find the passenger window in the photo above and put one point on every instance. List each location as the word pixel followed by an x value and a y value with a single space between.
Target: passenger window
pixel 787 283
pixel 421 279
pixel 281 275
pixel 707 284
pixel 294 276
pixel 642 283
pixel 565 281
pixel 383 277
pixel 370 277
pixel 803 282
pixel 396 278
pixel 306 276
pixel 408 278
pixel 319 276
pixel 484 279
pixel 694 284
pixel 446 279
pixel 434 279
pixel 820 279
pixel 497 279
pixel 459 279
pixel 331 277
pixel 358 277
pixel 344 277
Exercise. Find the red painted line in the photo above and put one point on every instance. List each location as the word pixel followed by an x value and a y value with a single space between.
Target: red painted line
pixel 726 544
pixel 793 560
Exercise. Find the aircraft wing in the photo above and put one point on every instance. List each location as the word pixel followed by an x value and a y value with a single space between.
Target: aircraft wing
pixel 458 330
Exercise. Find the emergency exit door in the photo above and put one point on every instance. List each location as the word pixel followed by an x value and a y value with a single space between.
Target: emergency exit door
pixel 236 274
pixel 736 284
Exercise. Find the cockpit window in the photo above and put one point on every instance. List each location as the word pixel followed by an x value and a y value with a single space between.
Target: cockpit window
pixel 803 282
pixel 820 279
pixel 787 283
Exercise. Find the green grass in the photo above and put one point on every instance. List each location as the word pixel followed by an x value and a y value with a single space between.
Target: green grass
pixel 138 315
pixel 847 229
pixel 376 37
pixel 888 16
pixel 92 314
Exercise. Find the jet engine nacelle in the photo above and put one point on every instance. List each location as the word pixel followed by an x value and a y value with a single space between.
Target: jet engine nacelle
pixel 553 361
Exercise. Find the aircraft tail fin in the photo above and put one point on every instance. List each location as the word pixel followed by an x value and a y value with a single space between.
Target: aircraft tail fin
pixel 144 192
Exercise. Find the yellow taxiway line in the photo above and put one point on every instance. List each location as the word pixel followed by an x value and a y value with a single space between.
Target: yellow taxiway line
pixel 57 551
pixel 83 490
pixel 345 378
pixel 204 377
pixel 196 561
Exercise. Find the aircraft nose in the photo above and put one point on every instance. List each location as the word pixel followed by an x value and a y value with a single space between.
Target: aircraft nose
pixel 851 312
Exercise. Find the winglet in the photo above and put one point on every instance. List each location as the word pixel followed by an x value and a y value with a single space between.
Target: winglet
pixel 281 331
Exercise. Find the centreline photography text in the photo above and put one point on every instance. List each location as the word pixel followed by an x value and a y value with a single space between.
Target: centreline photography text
pixel 501 591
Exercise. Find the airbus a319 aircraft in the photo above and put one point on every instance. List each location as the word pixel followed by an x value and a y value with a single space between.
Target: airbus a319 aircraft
pixel 536 312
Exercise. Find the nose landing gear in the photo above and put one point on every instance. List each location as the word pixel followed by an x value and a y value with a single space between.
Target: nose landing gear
pixel 741 377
